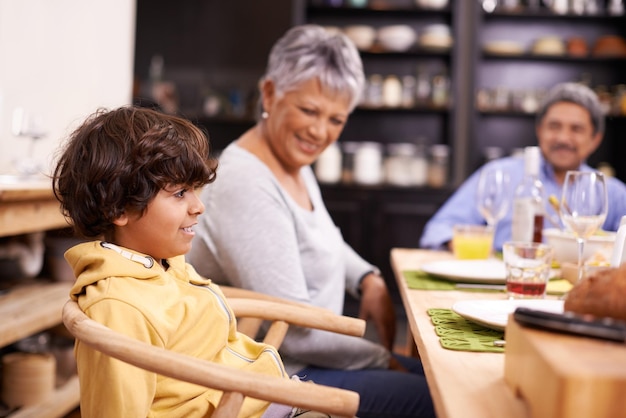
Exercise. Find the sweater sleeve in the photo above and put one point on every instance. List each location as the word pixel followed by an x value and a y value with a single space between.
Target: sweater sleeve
pixel 255 241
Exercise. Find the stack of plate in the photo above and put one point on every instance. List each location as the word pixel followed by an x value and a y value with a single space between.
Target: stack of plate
pixel 504 48
pixel 396 38
pixel 436 36
pixel 549 45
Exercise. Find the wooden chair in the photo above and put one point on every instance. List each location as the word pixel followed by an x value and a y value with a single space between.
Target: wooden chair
pixel 236 384
pixel 250 316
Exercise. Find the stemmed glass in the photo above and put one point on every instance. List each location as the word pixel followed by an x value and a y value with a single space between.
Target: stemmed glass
pixel 492 194
pixel 584 205
pixel 28 124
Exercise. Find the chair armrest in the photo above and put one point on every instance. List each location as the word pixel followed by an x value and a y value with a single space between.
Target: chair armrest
pixel 297 314
pixel 228 379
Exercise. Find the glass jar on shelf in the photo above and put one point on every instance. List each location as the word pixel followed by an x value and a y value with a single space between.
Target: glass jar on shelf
pixel 374 91
pixel 423 86
pixel 392 91
pixel 398 163
pixel 349 149
pixel 438 165
pixel 368 163
pixel 328 167
pixel 419 166
pixel 441 90
pixel 408 91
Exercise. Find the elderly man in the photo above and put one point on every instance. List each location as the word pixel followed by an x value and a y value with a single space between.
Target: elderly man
pixel 569 127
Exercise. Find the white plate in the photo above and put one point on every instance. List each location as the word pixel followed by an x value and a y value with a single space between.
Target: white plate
pixel 468 271
pixel 495 313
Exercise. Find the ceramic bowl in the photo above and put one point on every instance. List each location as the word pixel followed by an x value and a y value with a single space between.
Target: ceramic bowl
pixel 432 4
pixel 396 38
pixel 436 36
pixel 566 247
pixel 363 36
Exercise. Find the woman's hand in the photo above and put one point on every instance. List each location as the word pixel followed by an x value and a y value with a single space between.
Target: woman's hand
pixel 395 365
pixel 376 305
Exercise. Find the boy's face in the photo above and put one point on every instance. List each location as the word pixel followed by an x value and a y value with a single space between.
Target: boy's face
pixel 165 229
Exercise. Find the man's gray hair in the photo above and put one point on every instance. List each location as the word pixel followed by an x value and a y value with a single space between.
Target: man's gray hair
pixel 578 94
pixel 309 52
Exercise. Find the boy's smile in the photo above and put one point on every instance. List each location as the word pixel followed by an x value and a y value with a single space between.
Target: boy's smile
pixel 165 230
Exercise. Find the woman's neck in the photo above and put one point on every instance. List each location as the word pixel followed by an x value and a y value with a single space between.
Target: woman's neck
pixel 291 180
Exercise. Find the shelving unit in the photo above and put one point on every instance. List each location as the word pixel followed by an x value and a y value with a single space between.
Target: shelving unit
pixel 373 219
pixel 421 124
pixel 529 71
pixel 35 306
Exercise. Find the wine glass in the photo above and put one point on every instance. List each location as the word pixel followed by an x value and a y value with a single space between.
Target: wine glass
pixel 584 205
pixel 28 124
pixel 492 194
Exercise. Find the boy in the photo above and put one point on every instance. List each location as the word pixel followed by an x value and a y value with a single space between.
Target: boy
pixel 128 178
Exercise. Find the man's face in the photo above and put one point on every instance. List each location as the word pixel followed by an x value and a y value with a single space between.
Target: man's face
pixel 566 137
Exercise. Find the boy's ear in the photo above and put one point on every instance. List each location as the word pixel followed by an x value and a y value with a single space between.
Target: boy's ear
pixel 121 220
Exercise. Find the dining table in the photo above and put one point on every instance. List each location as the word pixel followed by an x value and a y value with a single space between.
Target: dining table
pixel 463 384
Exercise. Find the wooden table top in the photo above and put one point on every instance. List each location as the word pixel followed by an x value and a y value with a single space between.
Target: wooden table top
pixel 463 384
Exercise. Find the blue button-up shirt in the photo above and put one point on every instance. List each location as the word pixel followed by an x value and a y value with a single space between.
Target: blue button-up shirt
pixel 461 207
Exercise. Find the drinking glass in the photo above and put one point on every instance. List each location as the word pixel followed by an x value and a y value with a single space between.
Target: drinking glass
pixel 584 205
pixel 492 194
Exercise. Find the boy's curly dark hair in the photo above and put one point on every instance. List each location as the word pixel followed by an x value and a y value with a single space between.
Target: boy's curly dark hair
pixel 118 160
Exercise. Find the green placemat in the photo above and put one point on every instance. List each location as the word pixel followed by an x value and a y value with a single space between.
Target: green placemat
pixel 417 279
pixel 457 333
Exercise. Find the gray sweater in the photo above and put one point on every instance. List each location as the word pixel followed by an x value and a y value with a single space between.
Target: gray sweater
pixel 254 236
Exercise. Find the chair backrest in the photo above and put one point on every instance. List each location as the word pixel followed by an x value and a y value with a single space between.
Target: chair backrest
pixel 236 384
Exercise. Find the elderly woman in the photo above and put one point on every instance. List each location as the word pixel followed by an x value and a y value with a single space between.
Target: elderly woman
pixel 266 227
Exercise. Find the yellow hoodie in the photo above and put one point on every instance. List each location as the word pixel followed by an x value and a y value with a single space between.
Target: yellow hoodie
pixel 174 309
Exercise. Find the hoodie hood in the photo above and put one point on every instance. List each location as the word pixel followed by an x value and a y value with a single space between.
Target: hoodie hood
pixel 93 261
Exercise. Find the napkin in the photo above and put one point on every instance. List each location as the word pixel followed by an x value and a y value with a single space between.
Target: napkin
pixel 457 333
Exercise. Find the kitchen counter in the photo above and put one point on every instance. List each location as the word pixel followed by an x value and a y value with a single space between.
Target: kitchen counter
pixel 28 206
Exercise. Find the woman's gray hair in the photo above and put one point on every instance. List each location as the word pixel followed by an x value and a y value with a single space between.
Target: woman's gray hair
pixel 578 94
pixel 309 51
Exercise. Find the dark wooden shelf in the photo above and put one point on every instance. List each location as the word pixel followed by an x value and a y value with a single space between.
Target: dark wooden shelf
pixel 402 110
pixel 384 187
pixel 411 53
pixel 546 14
pixel 556 58
pixel 223 120
pixel 520 114
pixel 386 10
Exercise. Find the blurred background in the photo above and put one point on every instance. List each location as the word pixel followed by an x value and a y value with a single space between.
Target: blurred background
pixel 451 84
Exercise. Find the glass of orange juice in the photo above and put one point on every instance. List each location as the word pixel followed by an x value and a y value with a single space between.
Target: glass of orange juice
pixel 472 242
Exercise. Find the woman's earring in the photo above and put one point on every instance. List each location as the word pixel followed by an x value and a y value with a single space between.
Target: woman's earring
pixel 265 115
